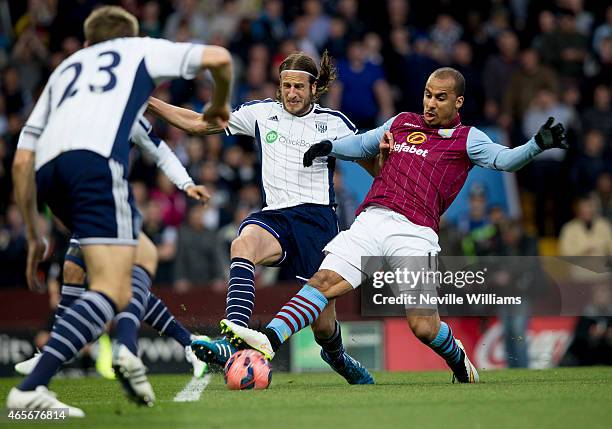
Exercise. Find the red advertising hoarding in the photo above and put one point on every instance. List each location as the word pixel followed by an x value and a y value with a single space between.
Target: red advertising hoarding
pixel 547 338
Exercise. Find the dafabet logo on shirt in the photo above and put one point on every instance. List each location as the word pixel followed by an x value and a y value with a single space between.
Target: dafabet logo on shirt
pixel 271 136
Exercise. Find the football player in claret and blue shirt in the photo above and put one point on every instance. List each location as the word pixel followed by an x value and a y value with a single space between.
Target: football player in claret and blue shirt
pixel 298 218
pixel 73 152
pixel 429 159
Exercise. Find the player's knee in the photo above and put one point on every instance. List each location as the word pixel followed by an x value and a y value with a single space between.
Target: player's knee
pixel 122 298
pixel 242 248
pixel 73 273
pixel 120 295
pixel 324 281
pixel 146 255
pixel 423 328
pixel 116 286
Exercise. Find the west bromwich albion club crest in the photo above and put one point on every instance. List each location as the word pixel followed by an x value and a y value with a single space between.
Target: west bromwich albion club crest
pixel 321 126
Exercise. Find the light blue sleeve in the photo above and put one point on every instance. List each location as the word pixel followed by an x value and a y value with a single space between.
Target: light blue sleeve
pixel 360 146
pixel 483 152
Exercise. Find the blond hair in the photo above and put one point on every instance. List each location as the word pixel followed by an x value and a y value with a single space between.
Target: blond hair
pixel 109 22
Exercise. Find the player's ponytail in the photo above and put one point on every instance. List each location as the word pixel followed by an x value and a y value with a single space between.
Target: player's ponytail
pixel 302 62
pixel 327 74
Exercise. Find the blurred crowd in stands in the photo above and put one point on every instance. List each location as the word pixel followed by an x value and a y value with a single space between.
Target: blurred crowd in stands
pixel 523 61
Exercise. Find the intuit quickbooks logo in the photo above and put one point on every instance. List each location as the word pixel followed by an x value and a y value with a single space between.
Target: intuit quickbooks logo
pixel 271 136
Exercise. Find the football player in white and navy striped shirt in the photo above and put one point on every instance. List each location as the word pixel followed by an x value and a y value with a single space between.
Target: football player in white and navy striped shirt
pixel 144 305
pixel 79 131
pixel 298 218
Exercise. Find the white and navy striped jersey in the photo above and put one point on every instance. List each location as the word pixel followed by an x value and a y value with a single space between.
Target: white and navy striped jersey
pixel 144 137
pixel 93 98
pixel 282 139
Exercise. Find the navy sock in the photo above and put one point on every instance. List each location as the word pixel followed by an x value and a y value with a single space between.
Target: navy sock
pixel 128 321
pixel 240 291
pixel 82 323
pixel 445 345
pixel 333 345
pixel 159 318
pixel 69 293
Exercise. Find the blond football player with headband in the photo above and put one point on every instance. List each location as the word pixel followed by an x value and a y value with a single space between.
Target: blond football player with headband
pixel 298 218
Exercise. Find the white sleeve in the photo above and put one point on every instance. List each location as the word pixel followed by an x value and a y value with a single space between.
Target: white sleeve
pixel 27 141
pixel 168 60
pixel 37 121
pixel 242 120
pixel 172 167
pixel 144 137
pixel 345 129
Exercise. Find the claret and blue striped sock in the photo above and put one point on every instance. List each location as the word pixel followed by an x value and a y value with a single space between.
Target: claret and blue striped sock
pixel 302 310
pixel 445 345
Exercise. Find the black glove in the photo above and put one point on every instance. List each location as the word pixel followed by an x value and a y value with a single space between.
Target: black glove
pixel 549 137
pixel 318 149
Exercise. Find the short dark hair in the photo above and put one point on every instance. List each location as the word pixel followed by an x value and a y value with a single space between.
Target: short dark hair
pixel 449 72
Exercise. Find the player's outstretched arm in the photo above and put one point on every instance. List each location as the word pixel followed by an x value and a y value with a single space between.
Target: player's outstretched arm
pixel 550 136
pixel 350 148
pixel 167 161
pixel 187 120
pixel 219 61
pixel 197 192
pixel 216 113
pixel 483 152
pixel 25 197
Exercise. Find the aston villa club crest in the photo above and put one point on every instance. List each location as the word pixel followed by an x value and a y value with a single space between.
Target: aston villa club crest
pixel 446 133
pixel 321 126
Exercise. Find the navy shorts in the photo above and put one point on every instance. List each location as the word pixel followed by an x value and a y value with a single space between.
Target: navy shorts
pixel 302 231
pixel 90 194
pixel 74 254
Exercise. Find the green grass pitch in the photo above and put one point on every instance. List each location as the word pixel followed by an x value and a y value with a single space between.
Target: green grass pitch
pixel 558 398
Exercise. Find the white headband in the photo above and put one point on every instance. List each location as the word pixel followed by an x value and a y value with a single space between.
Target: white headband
pixel 299 71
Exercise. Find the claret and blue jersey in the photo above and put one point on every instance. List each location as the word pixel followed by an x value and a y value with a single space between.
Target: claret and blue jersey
pixel 428 166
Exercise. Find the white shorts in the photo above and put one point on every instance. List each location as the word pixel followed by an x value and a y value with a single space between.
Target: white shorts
pixel 377 232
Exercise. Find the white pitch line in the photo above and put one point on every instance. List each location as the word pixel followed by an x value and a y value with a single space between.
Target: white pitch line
pixel 193 390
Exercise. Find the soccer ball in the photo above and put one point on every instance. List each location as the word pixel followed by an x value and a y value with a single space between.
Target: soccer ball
pixel 247 369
